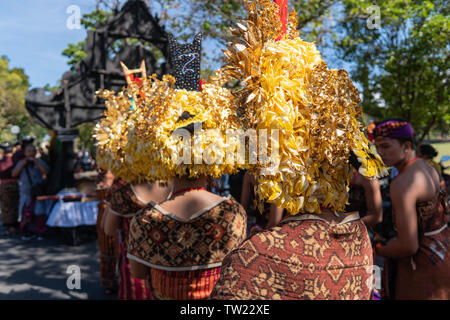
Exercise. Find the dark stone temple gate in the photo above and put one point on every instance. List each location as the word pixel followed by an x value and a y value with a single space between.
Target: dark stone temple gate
pixel 75 103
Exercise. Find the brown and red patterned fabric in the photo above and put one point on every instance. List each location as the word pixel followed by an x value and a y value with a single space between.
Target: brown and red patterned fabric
pixel 9 193
pixel 426 275
pixel 9 201
pixel 183 285
pixel 185 257
pixel 300 259
pixel 106 247
pixel 124 203
pixel 6 167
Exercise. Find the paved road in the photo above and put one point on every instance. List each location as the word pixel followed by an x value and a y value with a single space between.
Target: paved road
pixel 37 269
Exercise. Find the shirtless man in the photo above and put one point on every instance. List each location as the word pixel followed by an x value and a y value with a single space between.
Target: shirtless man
pixel 422 245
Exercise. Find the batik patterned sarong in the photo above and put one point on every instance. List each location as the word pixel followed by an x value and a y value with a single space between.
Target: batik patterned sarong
pixel 185 256
pixel 125 204
pixel 9 200
pixel 300 259
pixel 426 274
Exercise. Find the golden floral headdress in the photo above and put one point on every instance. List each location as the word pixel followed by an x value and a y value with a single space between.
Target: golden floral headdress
pixel 111 132
pixel 171 131
pixel 287 86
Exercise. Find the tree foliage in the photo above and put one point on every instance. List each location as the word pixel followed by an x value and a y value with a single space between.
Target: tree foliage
pixel 75 51
pixel 13 89
pixel 184 18
pixel 85 141
pixel 402 66
pixel 401 62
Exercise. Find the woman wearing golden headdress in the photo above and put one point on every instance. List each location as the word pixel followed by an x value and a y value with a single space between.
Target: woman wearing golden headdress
pixel 124 199
pixel 319 251
pixel 106 245
pixel 177 133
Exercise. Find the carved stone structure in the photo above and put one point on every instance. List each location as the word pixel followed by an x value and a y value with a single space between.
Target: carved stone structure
pixel 75 102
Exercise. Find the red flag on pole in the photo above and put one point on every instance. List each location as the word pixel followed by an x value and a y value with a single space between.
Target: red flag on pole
pixel 283 13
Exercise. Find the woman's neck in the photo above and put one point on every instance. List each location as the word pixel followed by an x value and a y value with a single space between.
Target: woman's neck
pixel 180 183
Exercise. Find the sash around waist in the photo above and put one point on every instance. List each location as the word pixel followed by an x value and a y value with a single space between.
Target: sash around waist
pixel 5 181
pixel 434 232
pixel 351 216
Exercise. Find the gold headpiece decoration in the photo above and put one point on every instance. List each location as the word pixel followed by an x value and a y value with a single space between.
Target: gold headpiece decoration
pixel 111 133
pixel 287 86
pixel 184 133
pixel 170 132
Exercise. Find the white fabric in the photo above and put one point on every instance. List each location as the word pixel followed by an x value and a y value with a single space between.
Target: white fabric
pixel 188 268
pixel 432 233
pixel 73 214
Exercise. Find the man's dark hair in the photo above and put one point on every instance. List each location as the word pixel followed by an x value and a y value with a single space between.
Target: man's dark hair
pixel 7 147
pixel 428 150
pixel 27 140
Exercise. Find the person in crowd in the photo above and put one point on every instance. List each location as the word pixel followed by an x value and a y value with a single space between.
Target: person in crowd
pixel 319 251
pixel 124 203
pixel 106 245
pixel 9 191
pixel 19 154
pixel 16 147
pixel 427 152
pixel 78 166
pixel 270 215
pixel 30 172
pixel 365 197
pixel 178 245
pixel 236 181
pixel 87 161
pixel 221 186
pixel 421 248
pixel 44 151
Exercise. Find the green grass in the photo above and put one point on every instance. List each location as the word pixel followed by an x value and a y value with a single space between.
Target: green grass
pixel 443 149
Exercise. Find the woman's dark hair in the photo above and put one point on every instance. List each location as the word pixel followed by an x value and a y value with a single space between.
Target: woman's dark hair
pixel 6 147
pixel 401 140
pixel 428 150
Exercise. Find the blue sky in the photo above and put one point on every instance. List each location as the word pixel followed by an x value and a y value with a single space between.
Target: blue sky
pixel 33 33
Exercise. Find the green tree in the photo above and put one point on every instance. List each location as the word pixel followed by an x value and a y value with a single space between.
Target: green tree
pixel 400 55
pixel 84 140
pixel 211 17
pixel 13 89
pixel 75 51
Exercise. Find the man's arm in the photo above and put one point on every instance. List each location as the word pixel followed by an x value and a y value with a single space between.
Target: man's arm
pixel 112 223
pixel 41 167
pixel 275 216
pixel 246 191
pixel 373 202
pixel 16 171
